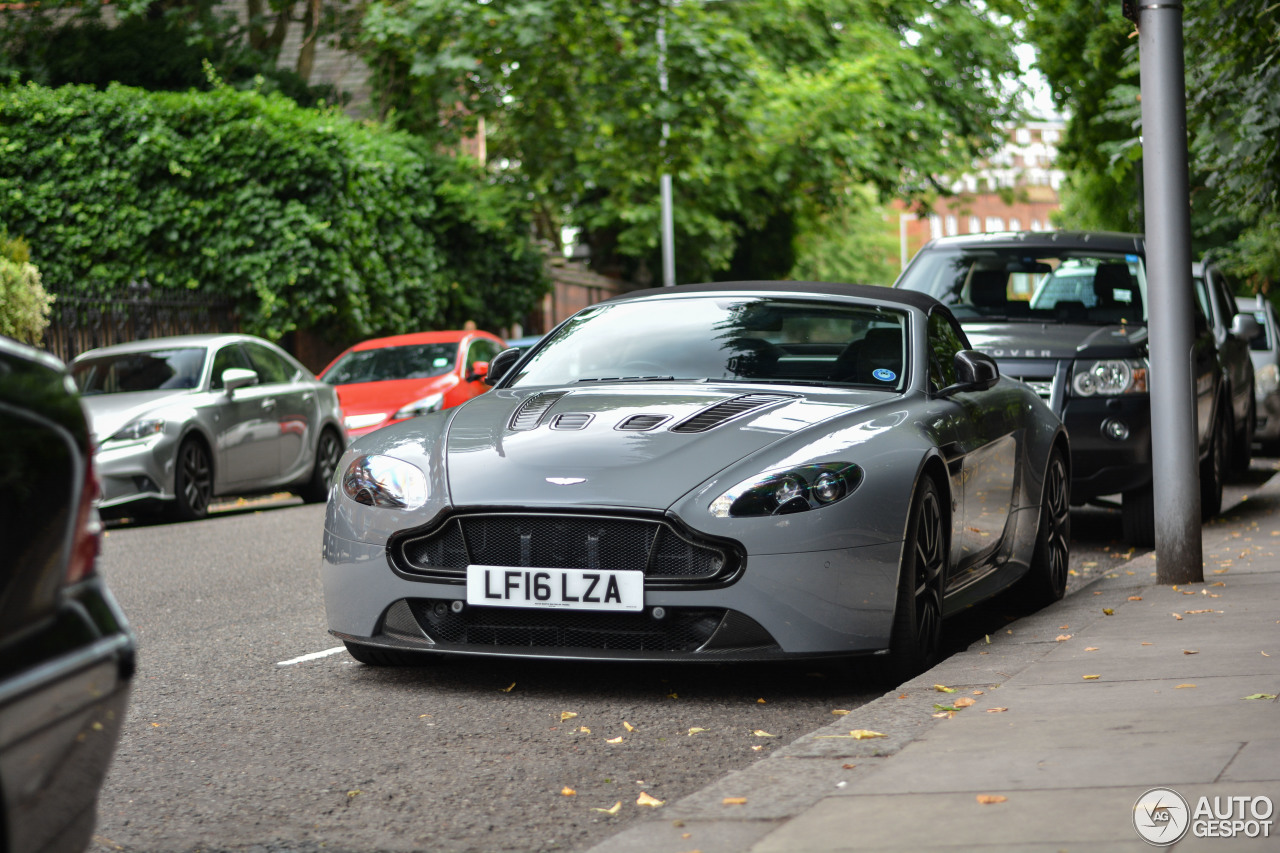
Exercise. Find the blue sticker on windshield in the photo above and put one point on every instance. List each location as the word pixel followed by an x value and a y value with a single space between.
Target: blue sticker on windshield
pixel 884 375
pixel 1133 259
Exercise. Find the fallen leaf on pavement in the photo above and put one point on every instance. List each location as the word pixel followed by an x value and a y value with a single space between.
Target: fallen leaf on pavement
pixel 617 739
pixel 848 766
pixel 628 726
pixel 567 715
pixel 616 808
pixel 1062 638
pixel 672 696
pixel 568 792
pixel 1135 598
pixel 1176 616
pixel 762 733
pixel 977 693
pixel 942 688
pixel 989 799
pixel 584 730
pixel 857 734
pixel 756 748
pixel 1152 644
pixel 996 710
pixel 840 712
pixel 509 689
pixel 1064 627
pixel 735 801
pixel 1107 611
pixel 1191 651
pixel 1090 677
pixel 944 715
pixel 354 794
pixel 1180 686
pixel 1260 696
pixel 646 800
pixel 1090 648
pixel 1193 612
pixel 1264 654
pixel 693 731
pixel 964 702
pixel 760 702
pixel 1218 583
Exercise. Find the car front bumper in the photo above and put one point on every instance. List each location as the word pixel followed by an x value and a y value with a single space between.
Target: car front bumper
pixel 809 604
pixel 1100 463
pixel 135 472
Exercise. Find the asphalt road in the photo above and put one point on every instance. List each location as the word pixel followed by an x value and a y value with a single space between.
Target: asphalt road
pixel 244 735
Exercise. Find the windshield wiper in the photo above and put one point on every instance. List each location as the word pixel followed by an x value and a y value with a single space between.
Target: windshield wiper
pixel 762 381
pixel 630 379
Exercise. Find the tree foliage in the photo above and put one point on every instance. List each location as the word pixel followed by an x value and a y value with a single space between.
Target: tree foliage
pixel 305 218
pixel 24 303
pixel 778 111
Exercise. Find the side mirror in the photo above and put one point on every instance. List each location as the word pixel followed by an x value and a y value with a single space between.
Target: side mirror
pixel 238 377
pixel 501 365
pixel 479 370
pixel 1245 326
pixel 975 371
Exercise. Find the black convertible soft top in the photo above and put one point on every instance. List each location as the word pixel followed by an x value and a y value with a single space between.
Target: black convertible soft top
pixel 914 299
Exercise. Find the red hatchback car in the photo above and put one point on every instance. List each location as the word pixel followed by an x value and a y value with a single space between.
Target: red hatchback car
pixel 384 380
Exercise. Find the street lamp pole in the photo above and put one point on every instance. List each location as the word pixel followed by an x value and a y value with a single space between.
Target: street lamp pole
pixel 664 180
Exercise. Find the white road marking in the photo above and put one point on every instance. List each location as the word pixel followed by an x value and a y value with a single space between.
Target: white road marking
pixel 312 656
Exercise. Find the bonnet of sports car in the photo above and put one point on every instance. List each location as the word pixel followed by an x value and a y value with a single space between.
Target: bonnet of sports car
pixel 629 447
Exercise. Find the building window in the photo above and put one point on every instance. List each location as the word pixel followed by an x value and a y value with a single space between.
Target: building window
pixel 995 223
pixel 953 226
pixel 975 225
pixel 1015 224
pixel 1035 225
pixel 1023 135
pixel 935 226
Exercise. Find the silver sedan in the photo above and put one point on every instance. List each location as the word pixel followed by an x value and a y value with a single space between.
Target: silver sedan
pixel 178 421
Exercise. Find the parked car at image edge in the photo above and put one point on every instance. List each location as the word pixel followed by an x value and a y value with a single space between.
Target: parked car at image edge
pixel 1233 329
pixel 738 471
pixel 179 421
pixel 1264 349
pixel 385 380
pixel 66 651
pixel 1066 313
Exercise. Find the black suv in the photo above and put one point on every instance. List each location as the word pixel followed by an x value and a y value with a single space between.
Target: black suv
pixel 1066 313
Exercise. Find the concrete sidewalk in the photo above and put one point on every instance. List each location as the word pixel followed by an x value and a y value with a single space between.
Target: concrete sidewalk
pixel 1078 711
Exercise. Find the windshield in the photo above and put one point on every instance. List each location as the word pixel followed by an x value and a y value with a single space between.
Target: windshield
pixel 154 370
pixel 744 339
pixel 414 361
pixel 1040 285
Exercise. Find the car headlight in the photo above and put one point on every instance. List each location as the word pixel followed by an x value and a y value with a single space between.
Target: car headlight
pixel 789 490
pixel 362 421
pixel 1267 380
pixel 431 403
pixel 384 481
pixel 1110 377
pixel 139 429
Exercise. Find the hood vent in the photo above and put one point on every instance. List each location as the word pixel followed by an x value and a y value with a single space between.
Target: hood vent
pixel 571 420
pixel 643 422
pixel 530 412
pixel 714 416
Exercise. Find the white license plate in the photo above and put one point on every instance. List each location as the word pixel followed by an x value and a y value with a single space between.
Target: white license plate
pixel 572 589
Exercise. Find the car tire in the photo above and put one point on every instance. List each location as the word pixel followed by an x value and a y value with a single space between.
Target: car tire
pixel 1213 471
pixel 1138 517
pixel 1242 446
pixel 192 481
pixel 377 656
pixel 1046 581
pixel 328 452
pixel 916 636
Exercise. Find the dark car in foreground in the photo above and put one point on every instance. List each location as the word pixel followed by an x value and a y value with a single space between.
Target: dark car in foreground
pixel 1066 312
pixel 739 471
pixel 66 652
pixel 179 421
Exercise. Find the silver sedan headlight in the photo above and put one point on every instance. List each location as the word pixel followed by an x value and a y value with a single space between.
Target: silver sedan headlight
pixel 789 490
pixel 1267 380
pixel 386 482
pixel 139 429
pixel 1110 377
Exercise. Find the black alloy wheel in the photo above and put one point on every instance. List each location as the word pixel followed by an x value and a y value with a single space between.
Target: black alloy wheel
pixel 193 481
pixel 1046 580
pixel 328 452
pixel 1213 471
pixel 917 624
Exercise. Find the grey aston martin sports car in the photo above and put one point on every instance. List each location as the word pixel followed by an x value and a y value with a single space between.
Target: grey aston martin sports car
pixel 740 471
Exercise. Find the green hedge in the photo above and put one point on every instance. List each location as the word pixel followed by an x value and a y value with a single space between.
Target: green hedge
pixel 24 304
pixel 305 218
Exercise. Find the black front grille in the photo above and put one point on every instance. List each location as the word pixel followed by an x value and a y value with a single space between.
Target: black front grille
pixel 554 541
pixel 682 630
